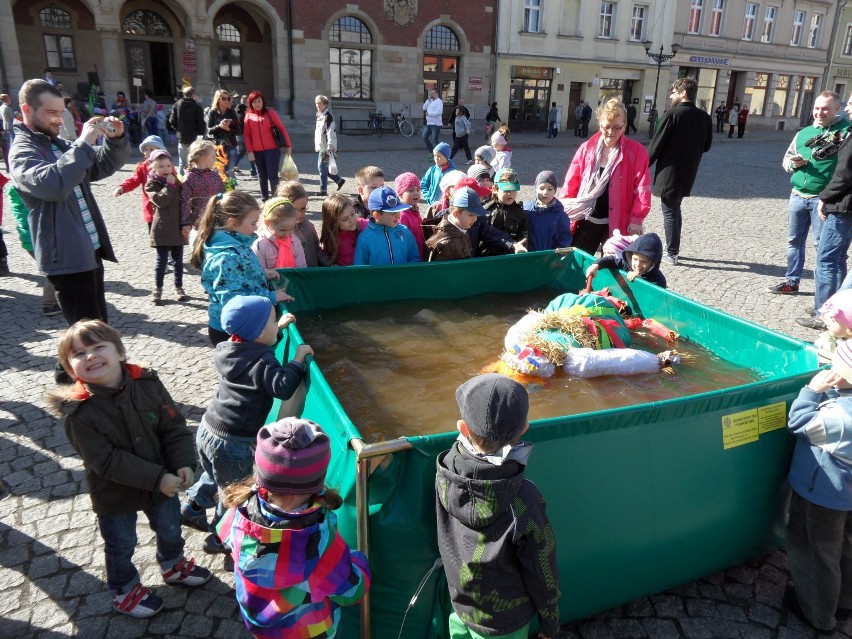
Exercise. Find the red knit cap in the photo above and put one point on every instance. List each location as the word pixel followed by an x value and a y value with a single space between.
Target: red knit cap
pixel 292 457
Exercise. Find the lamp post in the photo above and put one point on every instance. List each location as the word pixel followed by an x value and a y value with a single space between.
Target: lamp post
pixel 658 58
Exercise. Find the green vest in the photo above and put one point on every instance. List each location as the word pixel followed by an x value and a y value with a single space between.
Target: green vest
pixel 815 175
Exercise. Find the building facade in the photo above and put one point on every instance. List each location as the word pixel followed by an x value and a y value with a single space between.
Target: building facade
pixel 839 75
pixel 375 54
pixel 768 55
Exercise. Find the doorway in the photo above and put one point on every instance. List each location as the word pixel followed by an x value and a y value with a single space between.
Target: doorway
pixel 152 62
pixel 529 104
pixel 574 95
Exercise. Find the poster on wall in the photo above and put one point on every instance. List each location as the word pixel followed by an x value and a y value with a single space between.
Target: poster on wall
pixel 649 102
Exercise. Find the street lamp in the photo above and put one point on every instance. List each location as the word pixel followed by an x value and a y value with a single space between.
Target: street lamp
pixel 659 58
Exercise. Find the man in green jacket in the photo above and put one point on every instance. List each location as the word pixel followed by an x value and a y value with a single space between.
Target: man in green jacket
pixel 811 173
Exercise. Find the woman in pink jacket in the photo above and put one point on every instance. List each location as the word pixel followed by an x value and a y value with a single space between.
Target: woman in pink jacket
pixel 608 185
pixel 261 146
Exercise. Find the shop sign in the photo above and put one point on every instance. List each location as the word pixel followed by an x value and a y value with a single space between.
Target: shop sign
pixel 844 72
pixel 189 62
pixel 703 59
pixel 534 73
pixel 474 83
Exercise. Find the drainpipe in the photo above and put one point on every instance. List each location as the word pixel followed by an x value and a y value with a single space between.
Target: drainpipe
pixel 496 57
pixel 290 47
pixel 4 80
pixel 832 44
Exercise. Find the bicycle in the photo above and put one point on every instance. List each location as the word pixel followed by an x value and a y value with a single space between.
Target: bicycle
pixel 375 123
pixel 401 124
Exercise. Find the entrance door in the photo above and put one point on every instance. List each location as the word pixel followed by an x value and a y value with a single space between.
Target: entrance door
pixel 574 94
pixel 529 104
pixel 152 62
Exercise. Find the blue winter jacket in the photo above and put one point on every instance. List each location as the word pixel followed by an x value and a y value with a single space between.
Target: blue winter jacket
pixel 380 245
pixel 231 268
pixel 821 470
pixel 547 226
pixel 430 184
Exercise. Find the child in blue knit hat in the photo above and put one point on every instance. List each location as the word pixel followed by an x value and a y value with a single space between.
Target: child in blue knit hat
pixel 251 377
pixel 430 184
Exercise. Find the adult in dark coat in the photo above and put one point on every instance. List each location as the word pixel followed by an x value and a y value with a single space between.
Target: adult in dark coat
pixel 187 118
pixel 587 117
pixel 685 133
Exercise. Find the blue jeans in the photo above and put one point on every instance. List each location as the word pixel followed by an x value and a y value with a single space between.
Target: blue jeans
pixel 267 171
pixel 223 461
pixel 322 165
pixel 151 126
pixel 163 254
pixel 830 268
pixel 801 216
pixel 432 131
pixel 119 533
pixel 233 159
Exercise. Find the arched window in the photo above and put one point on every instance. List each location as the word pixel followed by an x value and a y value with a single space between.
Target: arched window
pixel 351 59
pixel 145 22
pixel 230 54
pixel 441 71
pixel 58 46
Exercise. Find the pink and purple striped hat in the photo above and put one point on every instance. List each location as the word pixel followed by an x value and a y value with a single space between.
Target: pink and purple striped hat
pixel 292 457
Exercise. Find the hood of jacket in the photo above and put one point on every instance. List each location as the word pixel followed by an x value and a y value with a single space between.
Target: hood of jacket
pixel 651 247
pixel 67 399
pixel 222 241
pixel 475 491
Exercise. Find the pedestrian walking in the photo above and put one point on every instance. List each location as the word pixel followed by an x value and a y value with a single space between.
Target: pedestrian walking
pixel 742 118
pixel 187 118
pixel 433 107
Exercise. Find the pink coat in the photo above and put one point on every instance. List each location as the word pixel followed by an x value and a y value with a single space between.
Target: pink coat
pixel 411 218
pixel 267 251
pixel 629 186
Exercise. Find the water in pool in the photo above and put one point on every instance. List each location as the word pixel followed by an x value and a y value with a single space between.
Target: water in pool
pixel 395 366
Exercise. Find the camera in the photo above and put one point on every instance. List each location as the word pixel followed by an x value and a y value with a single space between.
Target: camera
pixel 825 145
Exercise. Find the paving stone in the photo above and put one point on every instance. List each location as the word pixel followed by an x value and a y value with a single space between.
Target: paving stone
pixel 165 622
pixel 660 628
pixel 739 592
pixel 82 583
pixel 126 627
pixel 196 626
pixel 92 628
pixel 743 574
pixel 639 608
pixel 695 628
pixel 229 629
pixel 764 615
pixel 723 628
pixel 789 633
pixel 754 632
pixel 667 606
pixel 43 566
pixel 626 628
pixel 731 612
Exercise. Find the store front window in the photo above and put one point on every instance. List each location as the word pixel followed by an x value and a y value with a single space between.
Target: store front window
pixel 706 78
pixel 441 66
pixel 529 97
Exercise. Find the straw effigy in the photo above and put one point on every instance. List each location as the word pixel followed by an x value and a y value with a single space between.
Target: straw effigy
pixel 571 326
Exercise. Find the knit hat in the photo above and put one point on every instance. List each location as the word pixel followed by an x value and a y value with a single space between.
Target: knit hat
pixel 618 243
pixel 841 361
pixel 443 148
pixel 507 180
pixel 159 153
pixel 405 181
pixel 245 316
pixel 493 406
pixel 546 176
pixel 498 138
pixel 487 153
pixel 839 308
pixel 292 457
pixel 152 140
pixel 449 179
pixel 477 172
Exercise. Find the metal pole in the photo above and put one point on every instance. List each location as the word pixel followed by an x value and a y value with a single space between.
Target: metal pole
pixel 653 124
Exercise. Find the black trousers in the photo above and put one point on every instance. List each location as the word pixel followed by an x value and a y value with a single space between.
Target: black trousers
pixel 81 295
pixel 588 236
pixel 672 223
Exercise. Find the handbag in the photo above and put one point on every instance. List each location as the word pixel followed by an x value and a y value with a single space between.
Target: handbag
pixel 278 136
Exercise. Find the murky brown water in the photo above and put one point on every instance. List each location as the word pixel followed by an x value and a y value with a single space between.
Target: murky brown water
pixel 395 366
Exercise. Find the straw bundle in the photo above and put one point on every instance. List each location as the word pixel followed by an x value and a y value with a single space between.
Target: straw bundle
pixel 569 325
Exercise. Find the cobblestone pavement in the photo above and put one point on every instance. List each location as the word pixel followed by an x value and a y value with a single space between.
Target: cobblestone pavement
pixel 51 558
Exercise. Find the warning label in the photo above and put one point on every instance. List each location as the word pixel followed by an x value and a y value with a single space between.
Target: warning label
pixel 746 426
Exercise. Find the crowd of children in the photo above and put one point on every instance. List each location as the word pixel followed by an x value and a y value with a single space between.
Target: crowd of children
pixel 266 484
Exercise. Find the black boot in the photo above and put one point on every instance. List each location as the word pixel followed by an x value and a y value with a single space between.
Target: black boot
pixel 4 266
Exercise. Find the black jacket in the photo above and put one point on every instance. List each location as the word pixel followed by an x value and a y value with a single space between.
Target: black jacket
pixel 648 245
pixel 187 118
pixel 837 194
pixel 685 133
pixel 220 135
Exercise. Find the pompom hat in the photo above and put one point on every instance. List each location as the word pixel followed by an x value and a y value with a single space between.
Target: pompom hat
pixel 292 457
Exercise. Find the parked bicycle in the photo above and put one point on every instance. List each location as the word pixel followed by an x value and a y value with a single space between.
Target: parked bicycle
pixel 376 123
pixel 401 123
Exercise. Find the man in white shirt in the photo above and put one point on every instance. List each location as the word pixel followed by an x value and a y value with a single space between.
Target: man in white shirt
pixel 434 109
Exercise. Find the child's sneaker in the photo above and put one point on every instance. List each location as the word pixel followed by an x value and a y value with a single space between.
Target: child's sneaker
pixel 186 573
pixel 181 294
pixel 139 603
pixel 194 517
pixel 157 296
pixel 213 545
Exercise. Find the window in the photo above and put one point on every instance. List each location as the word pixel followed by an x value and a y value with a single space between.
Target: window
pixel 716 14
pixel 441 72
pixel 144 22
pixel 768 24
pixel 230 57
pixel 441 38
pixel 847 42
pixel 797 94
pixel 798 27
pixel 606 26
pixel 758 93
pixel 532 15
pixel 694 24
pixel 779 99
pixel 816 25
pixel 637 23
pixel 350 61
pixel 58 47
pixel 749 20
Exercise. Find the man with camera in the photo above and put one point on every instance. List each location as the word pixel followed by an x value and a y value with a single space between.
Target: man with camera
pixel 811 158
pixel 835 211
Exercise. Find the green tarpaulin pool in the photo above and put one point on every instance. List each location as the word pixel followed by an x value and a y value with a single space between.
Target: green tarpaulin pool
pixel 641 498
